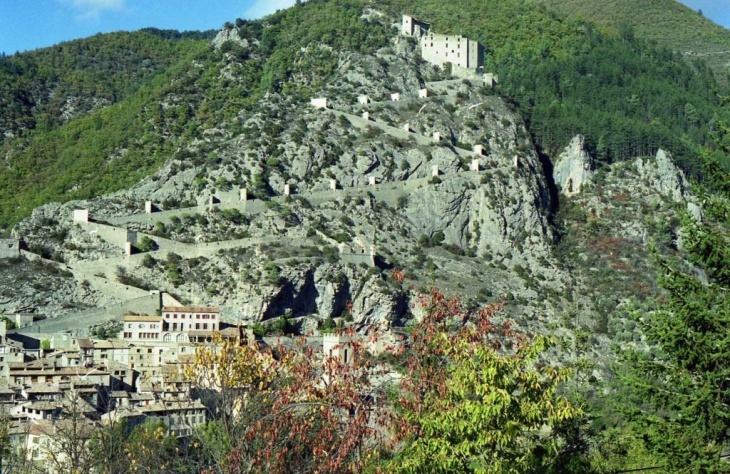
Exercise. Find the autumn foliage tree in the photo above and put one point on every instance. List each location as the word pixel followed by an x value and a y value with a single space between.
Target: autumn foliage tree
pixel 236 382
pixel 459 393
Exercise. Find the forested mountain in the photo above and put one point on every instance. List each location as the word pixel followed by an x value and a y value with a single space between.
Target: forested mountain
pixel 667 22
pixel 45 88
pixel 566 77
pixel 582 202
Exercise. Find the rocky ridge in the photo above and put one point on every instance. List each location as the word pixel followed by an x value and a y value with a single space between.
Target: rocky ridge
pixel 486 234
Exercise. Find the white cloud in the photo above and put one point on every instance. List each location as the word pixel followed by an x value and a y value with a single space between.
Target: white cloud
pixel 266 7
pixel 92 9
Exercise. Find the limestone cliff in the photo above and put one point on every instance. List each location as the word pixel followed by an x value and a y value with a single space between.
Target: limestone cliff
pixel 574 167
pixel 275 213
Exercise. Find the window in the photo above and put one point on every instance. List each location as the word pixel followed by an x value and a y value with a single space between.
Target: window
pixel 167 316
pixel 197 325
pixel 167 337
pixel 174 316
pixel 205 326
pixel 141 326
pixel 197 316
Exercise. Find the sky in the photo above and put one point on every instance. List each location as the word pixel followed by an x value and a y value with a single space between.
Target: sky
pixel 31 24
pixel 716 10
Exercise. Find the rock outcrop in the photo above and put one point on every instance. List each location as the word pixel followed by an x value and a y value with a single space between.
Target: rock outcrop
pixel 662 175
pixel 574 167
pixel 229 34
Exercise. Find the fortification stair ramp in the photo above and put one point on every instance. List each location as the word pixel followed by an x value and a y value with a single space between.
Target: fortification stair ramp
pixel 79 322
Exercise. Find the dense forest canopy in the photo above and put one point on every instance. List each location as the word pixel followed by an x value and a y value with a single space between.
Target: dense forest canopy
pixel 668 22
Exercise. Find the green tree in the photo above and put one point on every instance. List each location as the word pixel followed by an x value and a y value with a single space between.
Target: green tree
pixel 686 385
pixel 469 406
pixel 146 244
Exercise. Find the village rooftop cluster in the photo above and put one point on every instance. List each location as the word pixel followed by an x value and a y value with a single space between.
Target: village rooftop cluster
pixel 49 379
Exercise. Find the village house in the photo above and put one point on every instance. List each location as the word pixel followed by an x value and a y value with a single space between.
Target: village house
pixel 138 378
pixel 177 324
pixel 181 417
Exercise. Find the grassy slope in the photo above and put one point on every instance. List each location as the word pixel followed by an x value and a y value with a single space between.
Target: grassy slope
pixel 666 21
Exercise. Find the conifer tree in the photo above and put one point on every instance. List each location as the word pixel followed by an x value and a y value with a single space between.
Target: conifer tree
pixel 687 387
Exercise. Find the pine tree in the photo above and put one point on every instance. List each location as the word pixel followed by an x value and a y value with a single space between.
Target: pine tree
pixel 688 386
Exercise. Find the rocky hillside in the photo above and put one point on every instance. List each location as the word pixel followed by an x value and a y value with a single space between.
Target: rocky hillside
pixel 311 170
pixel 172 92
pixel 565 244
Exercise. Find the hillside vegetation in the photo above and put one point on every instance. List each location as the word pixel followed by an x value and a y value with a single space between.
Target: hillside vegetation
pixel 667 22
pixel 626 96
pixel 590 331
pixel 45 88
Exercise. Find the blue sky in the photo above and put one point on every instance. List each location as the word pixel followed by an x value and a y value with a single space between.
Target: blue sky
pixel 716 10
pixel 31 24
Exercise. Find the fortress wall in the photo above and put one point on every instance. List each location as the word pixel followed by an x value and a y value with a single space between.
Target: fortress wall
pixel 249 207
pixel 37 258
pixel 9 248
pixel 229 197
pixel 440 49
pixel 80 321
pixel 357 259
pixel 476 55
pixel 110 286
pixel 114 235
